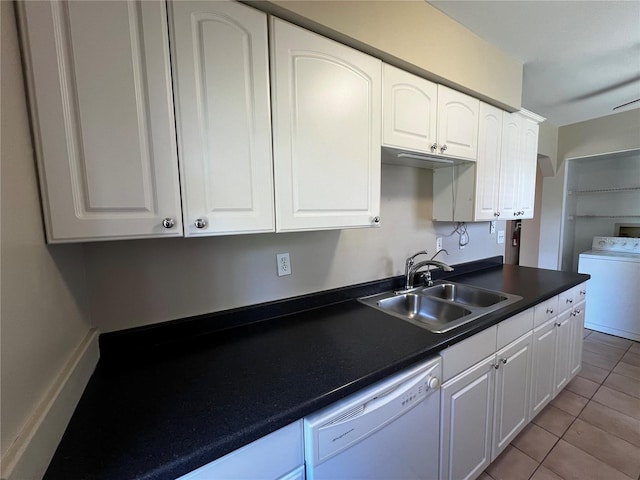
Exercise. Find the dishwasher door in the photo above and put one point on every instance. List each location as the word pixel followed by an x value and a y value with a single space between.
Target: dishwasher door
pixel 387 431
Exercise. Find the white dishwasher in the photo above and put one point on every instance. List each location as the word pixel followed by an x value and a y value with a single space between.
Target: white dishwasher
pixel 387 431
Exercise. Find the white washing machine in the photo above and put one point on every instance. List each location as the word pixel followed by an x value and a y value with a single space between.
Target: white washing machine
pixel 613 299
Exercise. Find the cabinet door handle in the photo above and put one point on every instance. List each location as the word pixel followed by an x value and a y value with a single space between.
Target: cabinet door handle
pixel 168 222
pixel 583 292
pixel 376 219
pixel 549 310
pixel 434 147
pixel 443 148
pixel 558 324
pixel 496 214
pixel 578 311
pixel 496 366
pixel 569 300
pixel 200 223
pixel 504 361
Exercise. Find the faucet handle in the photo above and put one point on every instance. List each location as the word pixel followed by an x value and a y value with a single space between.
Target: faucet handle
pixel 412 257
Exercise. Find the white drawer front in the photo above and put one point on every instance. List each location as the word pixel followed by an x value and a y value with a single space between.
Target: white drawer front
pixel 545 311
pixel 566 300
pixel 514 327
pixel 463 355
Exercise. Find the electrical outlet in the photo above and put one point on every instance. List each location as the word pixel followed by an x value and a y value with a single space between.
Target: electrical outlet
pixel 284 264
pixel 501 236
pixel 492 227
pixel 438 244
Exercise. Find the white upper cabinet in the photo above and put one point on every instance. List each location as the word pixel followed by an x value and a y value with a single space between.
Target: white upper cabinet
pixel 457 124
pixel 421 116
pixel 488 164
pixel 528 167
pixel 409 110
pixel 100 87
pixel 326 131
pixel 221 71
pixel 510 163
pixel 505 172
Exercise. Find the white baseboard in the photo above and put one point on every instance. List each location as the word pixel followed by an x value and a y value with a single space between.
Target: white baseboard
pixel 29 456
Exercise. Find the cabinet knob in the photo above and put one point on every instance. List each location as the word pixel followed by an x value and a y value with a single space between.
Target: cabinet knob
pixel 496 214
pixel 376 219
pixel 583 292
pixel 578 311
pixel 569 300
pixel 443 148
pixel 434 147
pixel 433 382
pixel 558 324
pixel 200 223
pixel 504 361
pixel 496 366
pixel 549 310
pixel 168 222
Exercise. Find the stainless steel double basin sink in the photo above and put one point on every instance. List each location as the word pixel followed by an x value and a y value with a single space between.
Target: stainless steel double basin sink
pixel 442 307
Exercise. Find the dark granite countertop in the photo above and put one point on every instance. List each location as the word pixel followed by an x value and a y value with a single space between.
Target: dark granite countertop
pixel 160 409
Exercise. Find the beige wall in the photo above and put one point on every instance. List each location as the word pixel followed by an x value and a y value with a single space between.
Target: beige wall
pixel 417 37
pixel 548 146
pixel 44 301
pixel 613 133
pixel 140 282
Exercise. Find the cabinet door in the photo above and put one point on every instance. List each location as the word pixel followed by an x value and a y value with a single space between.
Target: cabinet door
pixel 100 85
pixel 457 124
pixel 409 105
pixel 221 68
pixel 488 163
pixel 563 346
pixel 510 166
pixel 278 455
pixel 513 378
pixel 467 418
pixel 542 366
pixel 577 335
pixel 326 123
pixel 528 168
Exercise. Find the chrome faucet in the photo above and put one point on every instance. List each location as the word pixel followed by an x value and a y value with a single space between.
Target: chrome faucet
pixel 408 264
pixel 413 269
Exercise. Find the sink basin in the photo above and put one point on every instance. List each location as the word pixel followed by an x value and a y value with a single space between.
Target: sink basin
pixel 423 309
pixel 464 294
pixel 442 307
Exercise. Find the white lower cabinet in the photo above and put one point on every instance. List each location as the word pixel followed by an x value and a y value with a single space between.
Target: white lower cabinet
pixel 277 456
pixel 488 402
pixel 542 368
pixel 577 335
pixel 563 345
pixel 513 375
pixel 466 422
pixel 483 409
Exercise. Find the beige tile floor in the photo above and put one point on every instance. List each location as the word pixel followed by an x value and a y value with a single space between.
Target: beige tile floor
pixel 591 430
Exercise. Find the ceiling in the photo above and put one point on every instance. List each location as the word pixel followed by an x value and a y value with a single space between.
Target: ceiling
pixel 581 58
